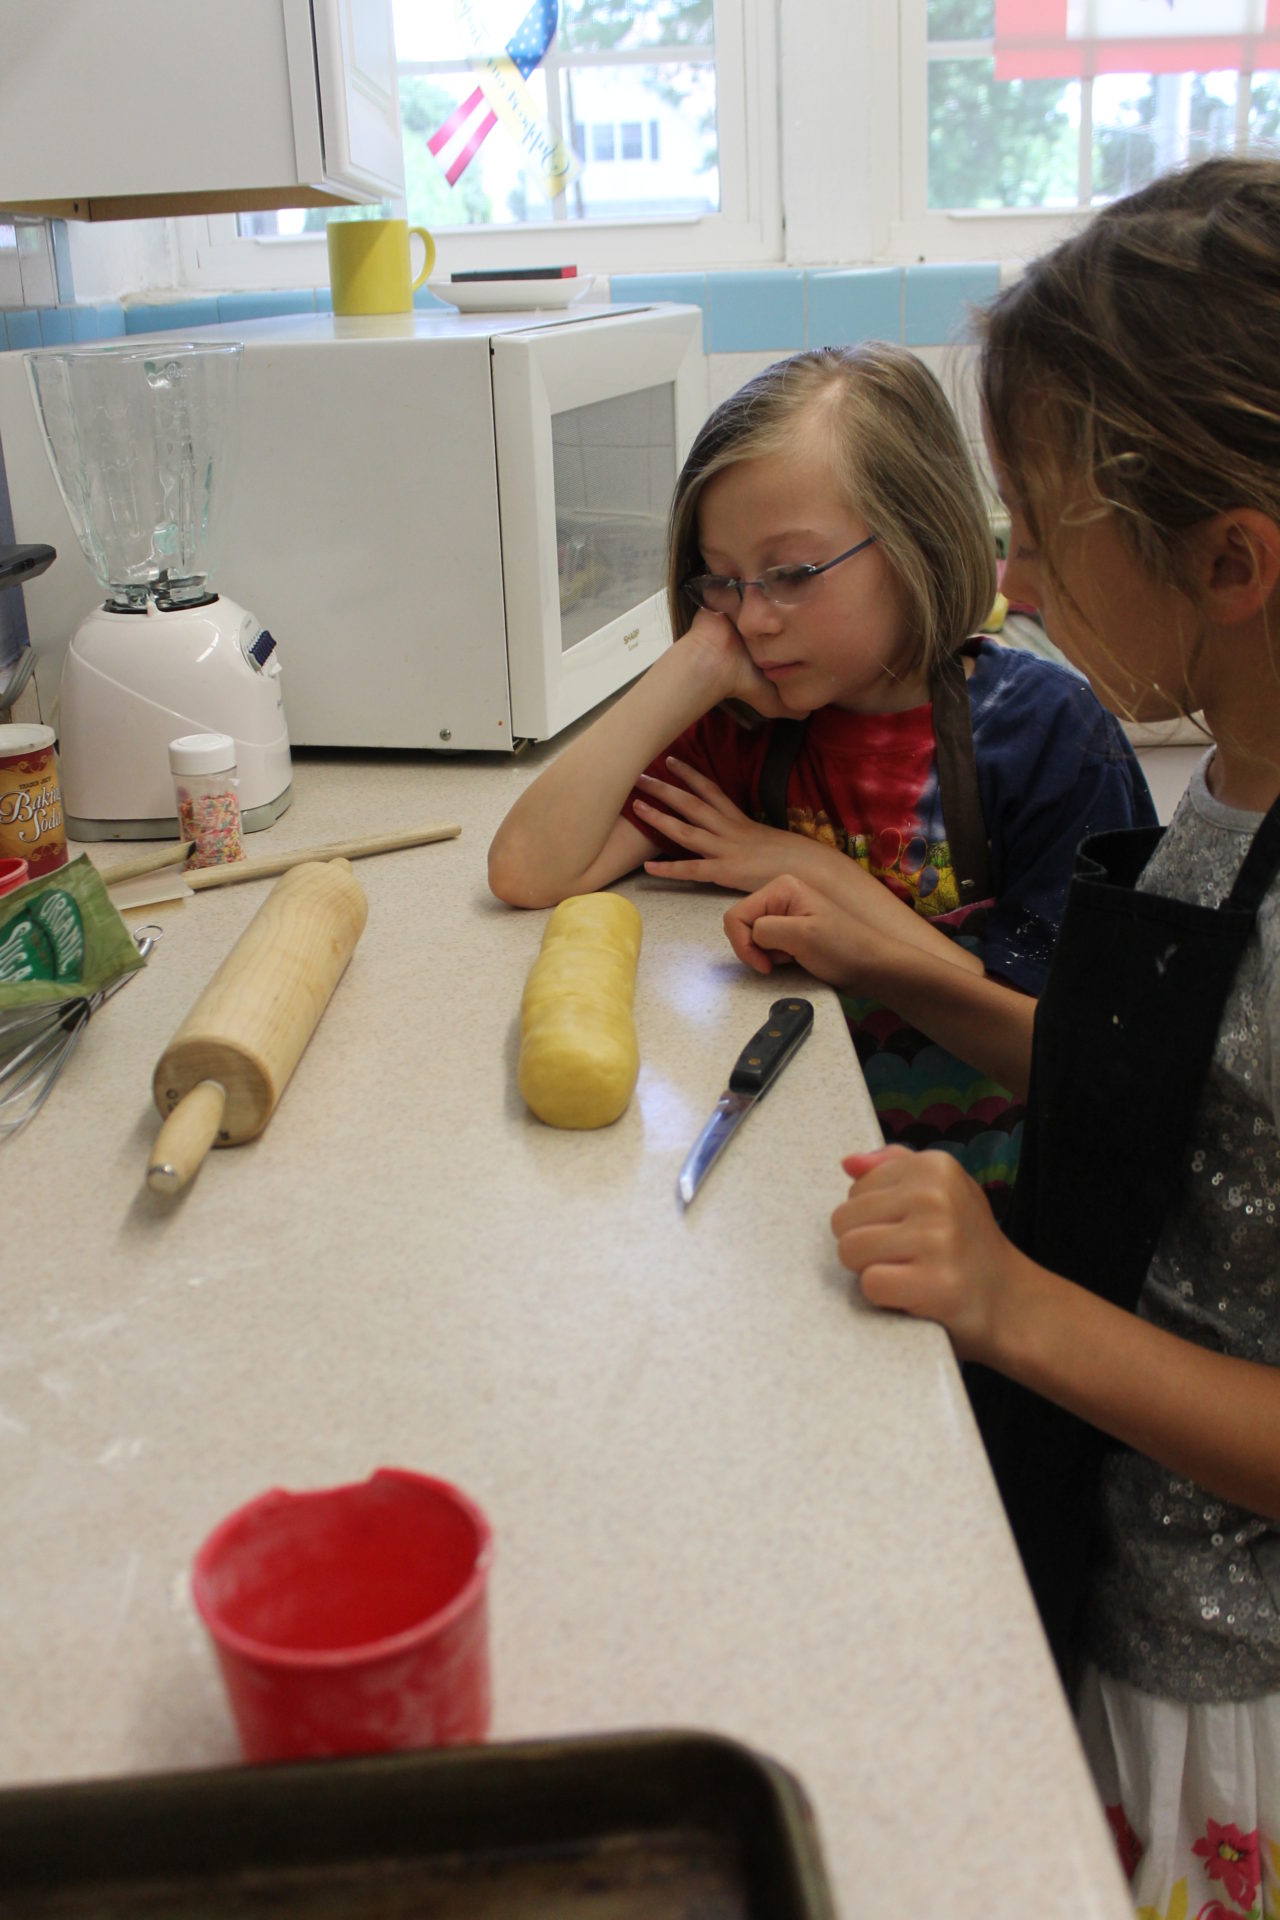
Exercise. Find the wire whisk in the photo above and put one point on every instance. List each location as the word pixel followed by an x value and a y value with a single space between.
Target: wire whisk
pixel 37 1041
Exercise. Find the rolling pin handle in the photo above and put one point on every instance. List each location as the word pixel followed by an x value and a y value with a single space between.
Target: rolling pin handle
pixel 186 1136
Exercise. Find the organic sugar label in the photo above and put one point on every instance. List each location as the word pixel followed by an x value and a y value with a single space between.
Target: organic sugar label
pixel 59 916
pixel 25 952
pixel 62 936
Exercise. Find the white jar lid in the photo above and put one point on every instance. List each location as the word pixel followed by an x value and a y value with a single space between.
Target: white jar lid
pixel 24 737
pixel 202 753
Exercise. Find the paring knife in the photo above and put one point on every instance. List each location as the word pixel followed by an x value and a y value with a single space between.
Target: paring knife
pixel 755 1070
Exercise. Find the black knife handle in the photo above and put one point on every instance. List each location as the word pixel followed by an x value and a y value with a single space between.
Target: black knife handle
pixel 768 1051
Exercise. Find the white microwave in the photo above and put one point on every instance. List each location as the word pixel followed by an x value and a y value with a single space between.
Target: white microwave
pixel 454 526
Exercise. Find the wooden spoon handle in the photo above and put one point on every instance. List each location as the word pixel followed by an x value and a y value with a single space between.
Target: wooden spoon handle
pixel 200 877
pixel 155 862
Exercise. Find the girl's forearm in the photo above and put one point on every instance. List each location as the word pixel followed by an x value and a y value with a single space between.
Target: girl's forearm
pixel 551 842
pixel 1201 1414
pixel 927 978
pixel 870 902
pixel 961 1007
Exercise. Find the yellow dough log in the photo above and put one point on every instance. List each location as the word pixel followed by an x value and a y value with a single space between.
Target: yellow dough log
pixel 578 1053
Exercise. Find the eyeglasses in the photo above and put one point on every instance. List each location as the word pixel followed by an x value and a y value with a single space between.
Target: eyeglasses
pixel 783 586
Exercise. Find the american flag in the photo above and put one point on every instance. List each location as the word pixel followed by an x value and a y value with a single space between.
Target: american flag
pixel 474 119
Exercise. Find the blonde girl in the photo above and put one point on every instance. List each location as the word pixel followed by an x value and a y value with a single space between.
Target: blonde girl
pixel 829 558
pixel 1125 1337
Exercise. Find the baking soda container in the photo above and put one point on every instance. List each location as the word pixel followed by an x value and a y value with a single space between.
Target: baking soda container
pixel 31 824
pixel 206 785
pixel 353 1619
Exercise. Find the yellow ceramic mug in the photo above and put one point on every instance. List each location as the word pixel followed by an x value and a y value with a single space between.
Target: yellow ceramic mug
pixel 369 268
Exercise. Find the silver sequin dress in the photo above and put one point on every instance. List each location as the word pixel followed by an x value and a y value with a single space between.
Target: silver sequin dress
pixel 1184 1600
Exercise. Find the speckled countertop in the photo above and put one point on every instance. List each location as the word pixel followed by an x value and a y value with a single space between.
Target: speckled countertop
pixel 724 1494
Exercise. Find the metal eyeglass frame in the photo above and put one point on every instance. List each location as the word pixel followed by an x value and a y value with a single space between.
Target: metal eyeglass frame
pixel 697 583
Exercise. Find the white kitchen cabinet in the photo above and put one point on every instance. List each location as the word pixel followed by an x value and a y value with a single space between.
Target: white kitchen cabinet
pixel 128 109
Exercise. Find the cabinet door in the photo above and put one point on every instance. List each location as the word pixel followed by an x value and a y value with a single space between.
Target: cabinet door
pixel 359 102
pixel 137 108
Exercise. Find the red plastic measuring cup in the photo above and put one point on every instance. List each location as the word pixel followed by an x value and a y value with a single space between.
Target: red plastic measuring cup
pixel 351 1619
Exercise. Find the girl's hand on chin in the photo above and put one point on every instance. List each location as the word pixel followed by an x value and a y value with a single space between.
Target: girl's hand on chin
pixel 719 645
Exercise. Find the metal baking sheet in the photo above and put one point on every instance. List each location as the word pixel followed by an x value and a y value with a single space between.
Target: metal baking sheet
pixel 651 1826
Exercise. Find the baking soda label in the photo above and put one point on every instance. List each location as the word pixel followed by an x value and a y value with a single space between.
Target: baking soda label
pixel 31 824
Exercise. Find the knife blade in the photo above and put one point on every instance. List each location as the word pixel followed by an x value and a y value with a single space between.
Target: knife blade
pixel 754 1072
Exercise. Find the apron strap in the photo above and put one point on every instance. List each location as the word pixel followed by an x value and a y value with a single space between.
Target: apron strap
pixel 957 777
pixel 958 781
pixel 1260 863
pixel 786 737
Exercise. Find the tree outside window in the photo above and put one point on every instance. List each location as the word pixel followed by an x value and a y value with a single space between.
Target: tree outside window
pixel 1000 138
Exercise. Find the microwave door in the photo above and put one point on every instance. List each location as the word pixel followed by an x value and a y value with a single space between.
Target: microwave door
pixel 592 421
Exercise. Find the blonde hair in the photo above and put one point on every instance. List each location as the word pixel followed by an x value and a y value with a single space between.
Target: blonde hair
pixel 1137 365
pixel 899 461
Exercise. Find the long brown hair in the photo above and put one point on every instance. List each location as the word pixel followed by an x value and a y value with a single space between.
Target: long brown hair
pixel 899 460
pixel 1138 362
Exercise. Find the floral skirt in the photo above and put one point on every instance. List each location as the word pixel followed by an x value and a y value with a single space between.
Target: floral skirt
pixel 1192 1794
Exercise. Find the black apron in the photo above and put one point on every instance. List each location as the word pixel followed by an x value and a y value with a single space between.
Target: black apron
pixel 957 778
pixel 1124 1036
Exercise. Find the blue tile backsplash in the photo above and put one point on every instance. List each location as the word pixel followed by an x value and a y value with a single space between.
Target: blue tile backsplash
pixel 687 289
pixel 56 328
pixel 768 309
pixel 170 316
pixel 755 312
pixel 937 300
pixel 261 306
pixel 22 327
pixel 848 305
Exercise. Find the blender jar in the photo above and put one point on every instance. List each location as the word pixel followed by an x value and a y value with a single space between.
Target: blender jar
pixel 141 440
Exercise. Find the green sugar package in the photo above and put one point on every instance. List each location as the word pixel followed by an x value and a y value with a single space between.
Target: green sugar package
pixel 61 937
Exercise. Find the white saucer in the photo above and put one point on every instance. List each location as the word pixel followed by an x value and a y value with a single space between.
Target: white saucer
pixel 509 296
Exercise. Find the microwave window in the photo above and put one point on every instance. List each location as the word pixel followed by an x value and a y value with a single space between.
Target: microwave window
pixel 615 471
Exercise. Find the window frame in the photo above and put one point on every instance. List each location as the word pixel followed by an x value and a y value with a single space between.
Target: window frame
pixel 953 233
pixel 211 254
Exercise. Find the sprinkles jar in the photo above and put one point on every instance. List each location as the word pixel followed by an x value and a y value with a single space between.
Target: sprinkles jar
pixel 206 785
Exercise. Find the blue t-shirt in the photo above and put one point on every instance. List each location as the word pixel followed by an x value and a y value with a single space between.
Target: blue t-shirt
pixel 1053 766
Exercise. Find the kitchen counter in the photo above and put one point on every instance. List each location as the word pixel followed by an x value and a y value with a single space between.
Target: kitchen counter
pixel 725 1494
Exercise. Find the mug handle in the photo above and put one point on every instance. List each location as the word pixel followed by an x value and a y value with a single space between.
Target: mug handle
pixel 429 259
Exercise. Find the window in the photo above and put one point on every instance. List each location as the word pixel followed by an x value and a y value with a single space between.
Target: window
pixel 608 63
pixel 699 74
pixel 915 130
pixel 1052 107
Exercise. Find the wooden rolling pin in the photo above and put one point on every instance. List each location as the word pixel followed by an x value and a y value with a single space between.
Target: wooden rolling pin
pixel 221 1075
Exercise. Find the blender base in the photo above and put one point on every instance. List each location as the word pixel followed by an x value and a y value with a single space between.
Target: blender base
pixel 131 683
pixel 251 822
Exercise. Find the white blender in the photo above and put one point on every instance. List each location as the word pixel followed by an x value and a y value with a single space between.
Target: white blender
pixel 136 435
